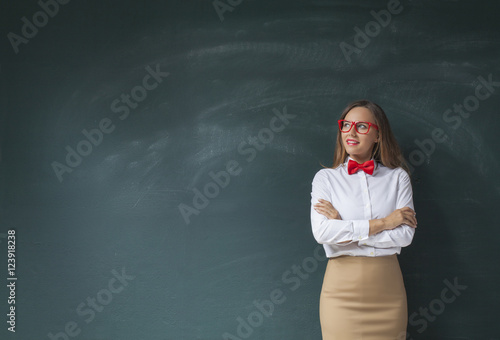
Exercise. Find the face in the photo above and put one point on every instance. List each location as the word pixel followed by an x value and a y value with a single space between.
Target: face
pixel 359 146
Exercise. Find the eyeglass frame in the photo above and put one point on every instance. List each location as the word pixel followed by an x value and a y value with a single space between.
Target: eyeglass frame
pixel 355 124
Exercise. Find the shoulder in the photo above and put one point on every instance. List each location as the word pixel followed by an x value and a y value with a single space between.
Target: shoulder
pixel 401 173
pixel 394 173
pixel 327 174
pixel 402 176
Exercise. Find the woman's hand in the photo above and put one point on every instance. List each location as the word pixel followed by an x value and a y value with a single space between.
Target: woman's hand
pixel 326 208
pixel 404 215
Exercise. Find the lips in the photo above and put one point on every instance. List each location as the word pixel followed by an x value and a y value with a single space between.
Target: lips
pixel 352 142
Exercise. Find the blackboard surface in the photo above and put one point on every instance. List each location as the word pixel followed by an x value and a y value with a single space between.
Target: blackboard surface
pixel 157 157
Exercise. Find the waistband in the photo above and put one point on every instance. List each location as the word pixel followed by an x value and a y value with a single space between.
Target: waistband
pixel 362 257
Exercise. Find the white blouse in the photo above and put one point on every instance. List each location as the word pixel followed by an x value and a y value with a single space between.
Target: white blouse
pixel 359 198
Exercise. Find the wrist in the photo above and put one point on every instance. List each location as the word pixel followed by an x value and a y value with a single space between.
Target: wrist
pixel 383 222
pixel 377 225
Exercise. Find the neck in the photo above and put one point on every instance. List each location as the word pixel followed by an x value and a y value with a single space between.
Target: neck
pixel 360 160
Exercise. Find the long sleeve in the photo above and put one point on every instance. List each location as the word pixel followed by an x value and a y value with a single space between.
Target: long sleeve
pixel 338 232
pixel 402 235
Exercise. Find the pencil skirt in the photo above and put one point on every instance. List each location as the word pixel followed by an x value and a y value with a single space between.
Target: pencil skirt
pixel 363 298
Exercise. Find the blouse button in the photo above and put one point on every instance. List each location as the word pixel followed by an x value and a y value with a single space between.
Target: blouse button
pixel 371 253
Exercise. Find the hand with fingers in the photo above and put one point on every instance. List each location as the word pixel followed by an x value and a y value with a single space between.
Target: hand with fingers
pixel 404 215
pixel 325 208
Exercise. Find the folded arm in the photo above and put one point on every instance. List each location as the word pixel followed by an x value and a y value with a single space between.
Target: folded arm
pixel 333 231
pixel 402 235
pixel 381 233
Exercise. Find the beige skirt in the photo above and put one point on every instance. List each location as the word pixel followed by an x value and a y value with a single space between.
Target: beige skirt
pixel 363 298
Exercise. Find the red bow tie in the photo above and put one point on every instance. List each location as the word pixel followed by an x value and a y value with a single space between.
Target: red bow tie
pixel 353 167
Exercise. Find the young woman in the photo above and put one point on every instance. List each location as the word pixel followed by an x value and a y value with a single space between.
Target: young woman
pixel 362 213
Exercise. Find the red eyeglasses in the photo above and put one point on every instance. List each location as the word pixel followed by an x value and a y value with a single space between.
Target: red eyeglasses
pixel 360 127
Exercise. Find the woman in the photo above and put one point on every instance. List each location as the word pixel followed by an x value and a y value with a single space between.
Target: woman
pixel 362 213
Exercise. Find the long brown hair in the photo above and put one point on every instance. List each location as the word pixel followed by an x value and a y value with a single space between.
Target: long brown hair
pixel 386 150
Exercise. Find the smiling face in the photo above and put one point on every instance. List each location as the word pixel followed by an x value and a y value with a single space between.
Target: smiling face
pixel 359 146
